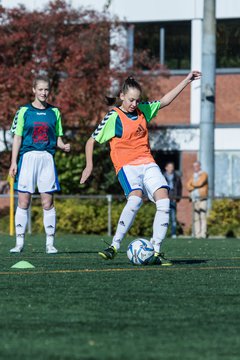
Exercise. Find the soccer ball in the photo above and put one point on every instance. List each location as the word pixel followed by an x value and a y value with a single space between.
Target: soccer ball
pixel 140 252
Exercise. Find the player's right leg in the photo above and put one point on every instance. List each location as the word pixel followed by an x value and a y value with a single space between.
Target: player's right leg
pixel 21 219
pixel 130 180
pixel 24 183
pixel 125 221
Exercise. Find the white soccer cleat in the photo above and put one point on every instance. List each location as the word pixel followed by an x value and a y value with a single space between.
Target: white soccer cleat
pixel 16 249
pixel 50 249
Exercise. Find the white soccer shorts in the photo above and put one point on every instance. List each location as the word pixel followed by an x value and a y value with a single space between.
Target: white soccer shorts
pixel 147 178
pixel 37 169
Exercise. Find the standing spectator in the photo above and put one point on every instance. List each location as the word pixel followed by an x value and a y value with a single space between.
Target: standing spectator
pixel 175 193
pixel 198 188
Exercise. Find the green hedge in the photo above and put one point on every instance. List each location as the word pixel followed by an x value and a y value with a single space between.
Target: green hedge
pixel 80 216
pixel 91 217
pixel 224 218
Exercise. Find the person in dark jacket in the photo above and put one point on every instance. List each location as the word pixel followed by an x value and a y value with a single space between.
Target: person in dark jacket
pixel 175 193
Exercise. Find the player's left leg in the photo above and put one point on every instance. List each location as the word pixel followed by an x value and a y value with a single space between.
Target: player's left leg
pixel 49 222
pixel 157 190
pixel 160 225
pixel 47 183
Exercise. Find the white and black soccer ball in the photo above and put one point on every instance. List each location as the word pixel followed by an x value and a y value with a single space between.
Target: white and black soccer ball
pixel 140 252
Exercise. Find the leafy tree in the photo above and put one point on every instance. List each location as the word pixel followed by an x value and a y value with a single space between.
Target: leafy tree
pixel 72 47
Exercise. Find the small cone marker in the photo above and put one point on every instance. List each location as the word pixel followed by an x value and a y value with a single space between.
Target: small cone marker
pixel 23 265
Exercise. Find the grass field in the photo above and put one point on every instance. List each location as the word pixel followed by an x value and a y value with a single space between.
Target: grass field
pixel 74 305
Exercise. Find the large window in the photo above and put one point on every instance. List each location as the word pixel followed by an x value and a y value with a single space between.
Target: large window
pixel 164 157
pixel 175 49
pixel 227 173
pixel 228 43
pixel 177 43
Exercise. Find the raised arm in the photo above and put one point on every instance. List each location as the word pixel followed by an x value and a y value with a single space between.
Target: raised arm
pixel 89 160
pixel 171 95
pixel 17 141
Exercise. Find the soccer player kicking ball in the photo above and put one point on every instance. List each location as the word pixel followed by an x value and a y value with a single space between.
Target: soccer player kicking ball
pixel 37 132
pixel 125 127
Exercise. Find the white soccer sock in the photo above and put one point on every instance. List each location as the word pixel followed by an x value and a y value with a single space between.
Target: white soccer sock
pixel 49 221
pixel 21 219
pixel 160 224
pixel 126 219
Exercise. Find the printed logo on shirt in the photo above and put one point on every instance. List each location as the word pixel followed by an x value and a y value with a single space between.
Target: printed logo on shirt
pixel 41 113
pixel 140 131
pixel 40 132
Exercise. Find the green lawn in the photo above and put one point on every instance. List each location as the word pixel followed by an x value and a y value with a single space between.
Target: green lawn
pixel 74 305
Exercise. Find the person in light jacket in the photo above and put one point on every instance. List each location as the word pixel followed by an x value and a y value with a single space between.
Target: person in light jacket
pixel 198 188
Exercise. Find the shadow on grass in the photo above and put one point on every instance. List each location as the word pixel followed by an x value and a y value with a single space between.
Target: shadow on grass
pixel 85 252
pixel 189 261
pixel 77 252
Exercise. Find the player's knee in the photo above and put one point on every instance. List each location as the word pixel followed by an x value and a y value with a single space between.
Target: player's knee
pixel 23 203
pixel 163 205
pixel 134 202
pixel 47 204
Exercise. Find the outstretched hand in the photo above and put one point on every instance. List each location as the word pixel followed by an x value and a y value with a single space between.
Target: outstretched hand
pixel 66 147
pixel 85 174
pixel 13 170
pixel 194 75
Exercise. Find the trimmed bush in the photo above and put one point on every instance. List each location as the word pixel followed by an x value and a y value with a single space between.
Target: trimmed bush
pixel 79 216
pixel 91 217
pixel 224 218
pixel 83 216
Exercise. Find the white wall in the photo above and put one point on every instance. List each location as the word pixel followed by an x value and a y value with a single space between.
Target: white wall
pixel 155 10
pixel 189 139
pixel 33 4
pixel 227 9
pixel 152 10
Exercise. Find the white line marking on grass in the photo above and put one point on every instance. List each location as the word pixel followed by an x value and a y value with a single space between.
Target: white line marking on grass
pixel 68 271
